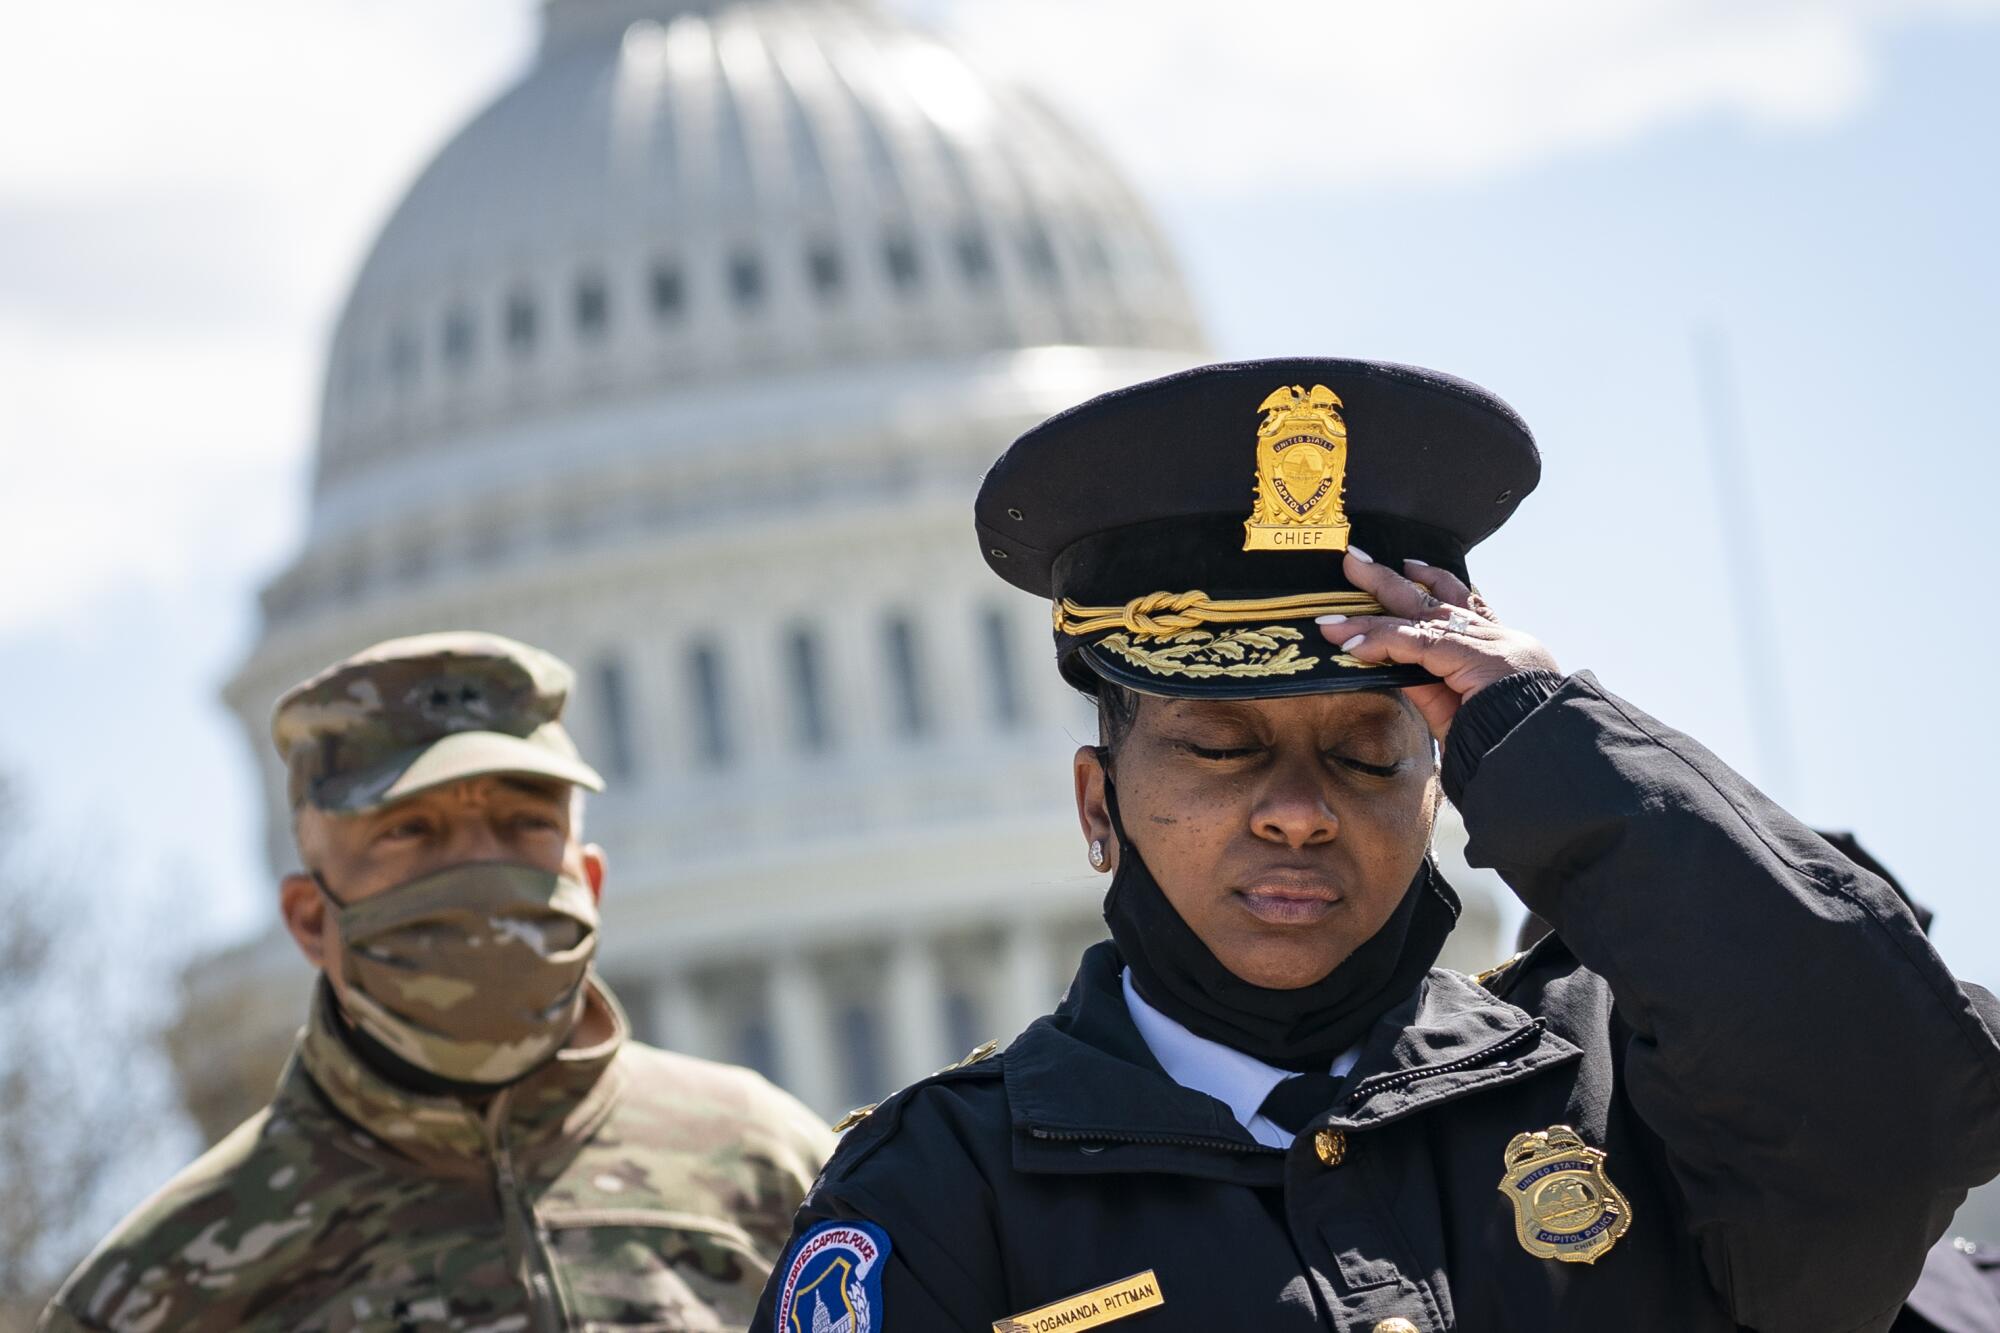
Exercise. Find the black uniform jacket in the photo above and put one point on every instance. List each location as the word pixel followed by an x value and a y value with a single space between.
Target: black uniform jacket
pixel 1793 1092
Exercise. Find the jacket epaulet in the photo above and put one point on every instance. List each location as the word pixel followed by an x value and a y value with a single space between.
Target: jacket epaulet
pixel 986 1050
pixel 1548 951
pixel 1494 977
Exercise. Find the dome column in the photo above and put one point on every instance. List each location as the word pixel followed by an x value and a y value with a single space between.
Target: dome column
pixel 1029 985
pixel 797 1002
pixel 915 999
pixel 680 1018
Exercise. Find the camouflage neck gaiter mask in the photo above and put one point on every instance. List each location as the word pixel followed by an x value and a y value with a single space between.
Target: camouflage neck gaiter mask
pixel 474 973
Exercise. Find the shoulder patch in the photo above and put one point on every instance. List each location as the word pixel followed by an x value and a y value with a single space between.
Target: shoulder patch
pixel 833 1280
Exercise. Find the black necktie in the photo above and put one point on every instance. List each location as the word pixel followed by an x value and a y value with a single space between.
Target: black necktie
pixel 1295 1102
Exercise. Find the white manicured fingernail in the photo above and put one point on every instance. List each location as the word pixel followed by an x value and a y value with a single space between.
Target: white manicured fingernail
pixel 1361 555
pixel 1352 643
pixel 1420 564
pixel 1329 620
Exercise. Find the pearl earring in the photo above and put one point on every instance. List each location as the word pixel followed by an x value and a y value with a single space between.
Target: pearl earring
pixel 1097 852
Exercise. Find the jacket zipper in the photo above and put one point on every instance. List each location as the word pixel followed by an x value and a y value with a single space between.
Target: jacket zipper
pixel 1378 1082
pixel 1165 1140
pixel 524 1248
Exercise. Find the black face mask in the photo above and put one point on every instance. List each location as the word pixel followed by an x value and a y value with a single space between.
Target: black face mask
pixel 1304 1029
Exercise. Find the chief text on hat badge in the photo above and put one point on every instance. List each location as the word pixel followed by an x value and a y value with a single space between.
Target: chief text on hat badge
pixel 1565 1207
pixel 1301 472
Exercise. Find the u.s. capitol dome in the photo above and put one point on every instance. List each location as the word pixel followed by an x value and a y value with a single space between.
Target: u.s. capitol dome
pixel 683 360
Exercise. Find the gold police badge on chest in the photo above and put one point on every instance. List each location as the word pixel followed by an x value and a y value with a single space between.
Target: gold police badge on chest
pixel 1565 1207
pixel 1301 473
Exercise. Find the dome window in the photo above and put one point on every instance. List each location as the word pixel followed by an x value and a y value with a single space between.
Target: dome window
pixel 403 358
pixel 860 1034
pixel 668 291
pixel 592 306
pixel 823 267
pixel 1003 684
pixel 811 718
pixel 757 1048
pixel 457 342
pixel 614 714
pixel 962 1025
pixel 710 706
pixel 1095 256
pixel 282 600
pixel 746 279
pixel 1038 254
pixel 487 544
pixel 349 578
pixel 899 256
pixel 413 560
pixel 975 260
pixel 909 707
pixel 521 323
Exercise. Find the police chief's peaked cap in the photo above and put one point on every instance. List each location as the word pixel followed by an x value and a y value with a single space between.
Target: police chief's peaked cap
pixel 1189 530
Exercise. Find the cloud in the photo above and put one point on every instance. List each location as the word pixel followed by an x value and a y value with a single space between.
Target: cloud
pixel 1348 93
pixel 194 187
pixel 190 186
pixel 133 459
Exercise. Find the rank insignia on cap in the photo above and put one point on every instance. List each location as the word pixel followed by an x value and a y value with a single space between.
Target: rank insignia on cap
pixel 1127 513
pixel 1301 473
pixel 1565 1207
pixel 833 1280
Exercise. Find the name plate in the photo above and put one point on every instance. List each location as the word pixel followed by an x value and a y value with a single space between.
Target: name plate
pixel 1089 1309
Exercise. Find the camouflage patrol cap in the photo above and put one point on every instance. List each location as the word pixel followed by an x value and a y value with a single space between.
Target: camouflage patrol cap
pixel 410 714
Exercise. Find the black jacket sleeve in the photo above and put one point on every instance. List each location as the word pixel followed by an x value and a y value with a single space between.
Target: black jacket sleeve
pixel 1825 1091
pixel 934 1205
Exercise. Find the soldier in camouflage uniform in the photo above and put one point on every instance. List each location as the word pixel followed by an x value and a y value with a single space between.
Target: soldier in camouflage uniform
pixel 466 1136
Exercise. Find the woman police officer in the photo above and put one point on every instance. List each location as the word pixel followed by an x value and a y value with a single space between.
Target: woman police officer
pixel 1737 1088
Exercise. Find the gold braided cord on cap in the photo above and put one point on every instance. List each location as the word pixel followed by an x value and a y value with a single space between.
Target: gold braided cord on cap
pixel 1159 614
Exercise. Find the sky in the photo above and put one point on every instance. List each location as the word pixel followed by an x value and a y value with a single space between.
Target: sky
pixel 1559 199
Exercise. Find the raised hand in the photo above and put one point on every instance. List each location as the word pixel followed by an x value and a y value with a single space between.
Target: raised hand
pixel 1434 621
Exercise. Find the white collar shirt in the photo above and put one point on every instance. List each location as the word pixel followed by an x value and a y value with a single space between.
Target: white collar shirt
pixel 1240 1082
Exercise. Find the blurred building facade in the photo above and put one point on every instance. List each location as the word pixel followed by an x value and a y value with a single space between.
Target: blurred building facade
pixel 683 359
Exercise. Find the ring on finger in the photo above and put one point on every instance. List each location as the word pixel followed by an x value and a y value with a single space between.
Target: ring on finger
pixel 1460 621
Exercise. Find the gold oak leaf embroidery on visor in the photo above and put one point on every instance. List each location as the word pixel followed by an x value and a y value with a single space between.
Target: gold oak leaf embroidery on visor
pixel 1271 651
pixel 1178 648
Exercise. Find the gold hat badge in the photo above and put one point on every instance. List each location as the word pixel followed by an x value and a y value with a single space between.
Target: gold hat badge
pixel 1301 473
pixel 1565 1207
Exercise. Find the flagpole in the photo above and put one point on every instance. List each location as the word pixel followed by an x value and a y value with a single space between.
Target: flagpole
pixel 1749 583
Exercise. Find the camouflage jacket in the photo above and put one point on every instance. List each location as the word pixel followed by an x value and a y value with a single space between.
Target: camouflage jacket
pixel 620 1187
